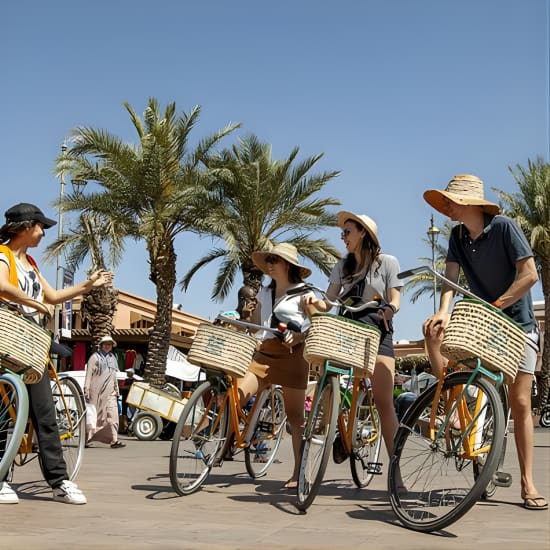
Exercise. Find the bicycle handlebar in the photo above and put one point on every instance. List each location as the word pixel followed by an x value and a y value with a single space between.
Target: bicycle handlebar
pixel 373 304
pixel 442 278
pixel 454 286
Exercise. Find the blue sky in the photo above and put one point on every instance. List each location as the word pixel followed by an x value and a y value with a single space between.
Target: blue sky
pixel 398 95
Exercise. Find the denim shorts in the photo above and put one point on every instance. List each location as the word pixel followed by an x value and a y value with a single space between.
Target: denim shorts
pixel 528 362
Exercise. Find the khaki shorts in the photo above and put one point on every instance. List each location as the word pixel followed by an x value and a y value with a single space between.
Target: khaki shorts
pixel 528 362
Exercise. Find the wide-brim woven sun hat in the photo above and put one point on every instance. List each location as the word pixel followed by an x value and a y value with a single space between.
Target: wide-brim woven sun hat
pixel 287 252
pixel 363 220
pixel 464 189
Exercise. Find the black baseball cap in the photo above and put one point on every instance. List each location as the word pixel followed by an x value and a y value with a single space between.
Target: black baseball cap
pixel 25 212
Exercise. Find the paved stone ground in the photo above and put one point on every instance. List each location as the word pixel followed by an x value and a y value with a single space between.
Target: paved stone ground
pixel 132 505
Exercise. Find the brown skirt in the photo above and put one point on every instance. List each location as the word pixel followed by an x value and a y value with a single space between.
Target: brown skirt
pixel 275 363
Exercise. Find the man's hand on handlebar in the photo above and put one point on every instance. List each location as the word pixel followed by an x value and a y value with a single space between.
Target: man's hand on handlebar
pixel 435 324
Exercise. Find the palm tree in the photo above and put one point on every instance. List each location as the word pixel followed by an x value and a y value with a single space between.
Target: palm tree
pixel 88 238
pixel 255 201
pixel 147 191
pixel 531 210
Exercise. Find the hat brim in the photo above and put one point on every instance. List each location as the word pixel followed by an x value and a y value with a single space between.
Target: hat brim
pixel 438 200
pixel 110 341
pixel 46 222
pixel 258 258
pixel 344 216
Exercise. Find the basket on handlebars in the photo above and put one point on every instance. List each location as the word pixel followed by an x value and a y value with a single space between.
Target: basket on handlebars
pixel 342 341
pixel 479 330
pixel 222 349
pixel 24 346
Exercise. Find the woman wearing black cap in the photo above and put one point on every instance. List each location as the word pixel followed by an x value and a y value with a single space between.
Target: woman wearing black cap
pixel 22 284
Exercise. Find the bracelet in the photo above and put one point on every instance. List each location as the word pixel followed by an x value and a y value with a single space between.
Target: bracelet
pixel 392 307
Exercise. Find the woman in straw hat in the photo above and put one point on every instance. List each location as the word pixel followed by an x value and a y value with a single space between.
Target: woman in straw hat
pixel 22 284
pixel 101 392
pixel 366 274
pixel 498 264
pixel 281 361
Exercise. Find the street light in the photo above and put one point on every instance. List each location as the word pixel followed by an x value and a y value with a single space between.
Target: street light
pixel 77 185
pixel 433 233
pixel 58 277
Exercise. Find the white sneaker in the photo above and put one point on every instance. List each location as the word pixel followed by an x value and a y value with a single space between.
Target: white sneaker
pixel 7 494
pixel 69 493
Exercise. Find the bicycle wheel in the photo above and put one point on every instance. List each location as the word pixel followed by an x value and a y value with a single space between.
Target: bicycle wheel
pixel 268 433
pixel 14 413
pixel 500 478
pixel 70 411
pixel 544 420
pixel 366 441
pixel 198 437
pixel 438 474
pixel 317 442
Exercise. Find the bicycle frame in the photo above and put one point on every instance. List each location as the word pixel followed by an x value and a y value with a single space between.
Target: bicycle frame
pixel 346 427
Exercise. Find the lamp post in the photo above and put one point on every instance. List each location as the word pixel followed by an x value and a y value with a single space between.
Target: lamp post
pixel 433 233
pixel 58 268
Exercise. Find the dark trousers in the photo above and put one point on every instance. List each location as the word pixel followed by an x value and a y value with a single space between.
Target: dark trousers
pixel 43 415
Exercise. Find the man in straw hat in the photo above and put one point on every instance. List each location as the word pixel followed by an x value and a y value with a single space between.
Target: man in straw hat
pixel 498 264
pixel 102 392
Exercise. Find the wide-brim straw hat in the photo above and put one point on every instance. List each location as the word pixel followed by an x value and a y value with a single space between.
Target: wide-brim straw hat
pixel 463 189
pixel 107 339
pixel 363 220
pixel 287 252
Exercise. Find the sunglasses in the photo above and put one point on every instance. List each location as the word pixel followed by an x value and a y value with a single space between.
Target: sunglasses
pixel 35 284
pixel 272 259
pixel 345 233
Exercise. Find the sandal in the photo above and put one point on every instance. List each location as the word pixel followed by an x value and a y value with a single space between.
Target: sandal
pixel 260 458
pixel 117 445
pixel 290 485
pixel 535 502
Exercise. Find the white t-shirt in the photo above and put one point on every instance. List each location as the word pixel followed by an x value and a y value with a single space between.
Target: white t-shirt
pixel 29 283
pixel 286 309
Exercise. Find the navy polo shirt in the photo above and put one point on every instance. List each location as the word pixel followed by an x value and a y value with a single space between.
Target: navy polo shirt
pixel 489 263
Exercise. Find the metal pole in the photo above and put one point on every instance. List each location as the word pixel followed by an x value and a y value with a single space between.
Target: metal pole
pixel 433 233
pixel 59 268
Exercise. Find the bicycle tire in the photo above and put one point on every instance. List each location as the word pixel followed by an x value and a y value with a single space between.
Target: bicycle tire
pixel 544 420
pixel 268 433
pixel 14 402
pixel 441 486
pixel 367 440
pixel 492 487
pixel 199 434
pixel 317 443
pixel 72 434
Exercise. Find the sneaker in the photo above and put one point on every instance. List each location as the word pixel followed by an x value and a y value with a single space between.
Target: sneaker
pixel 7 494
pixel 69 493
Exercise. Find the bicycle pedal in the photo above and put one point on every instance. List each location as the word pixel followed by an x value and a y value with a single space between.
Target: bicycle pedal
pixel 374 468
pixel 502 479
pixel 264 426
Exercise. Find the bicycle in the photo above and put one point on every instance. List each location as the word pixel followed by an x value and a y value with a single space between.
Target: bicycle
pixel 213 422
pixel 336 346
pixel 16 356
pixel 450 442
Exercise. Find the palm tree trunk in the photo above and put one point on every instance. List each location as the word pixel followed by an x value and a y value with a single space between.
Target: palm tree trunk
pixel 163 272
pixel 98 310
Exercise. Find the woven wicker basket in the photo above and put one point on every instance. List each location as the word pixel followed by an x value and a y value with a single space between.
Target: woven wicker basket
pixel 479 330
pixel 342 341
pixel 222 349
pixel 24 346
